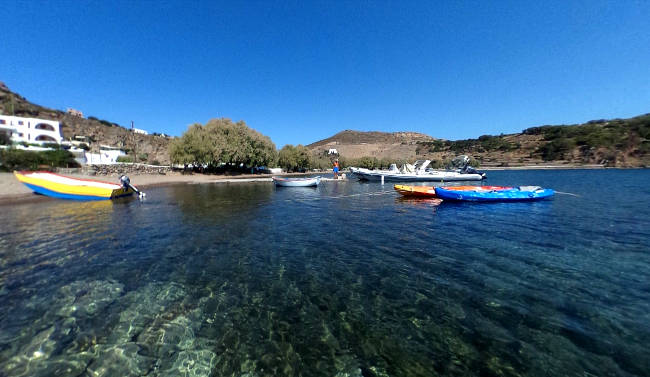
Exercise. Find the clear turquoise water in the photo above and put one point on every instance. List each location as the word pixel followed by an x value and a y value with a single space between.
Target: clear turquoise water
pixel 344 280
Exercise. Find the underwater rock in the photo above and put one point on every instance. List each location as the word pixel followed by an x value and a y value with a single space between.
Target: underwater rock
pixel 168 337
pixel 86 299
pixel 59 324
pixel 123 360
pixel 192 363
pixel 142 308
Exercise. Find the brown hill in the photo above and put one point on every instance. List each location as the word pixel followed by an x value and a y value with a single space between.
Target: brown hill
pixel 147 148
pixel 356 144
pixel 616 142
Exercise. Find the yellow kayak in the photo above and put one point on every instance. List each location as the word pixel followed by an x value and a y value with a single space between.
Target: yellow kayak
pixel 419 191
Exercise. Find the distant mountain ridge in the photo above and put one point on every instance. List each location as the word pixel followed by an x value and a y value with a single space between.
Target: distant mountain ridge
pixel 614 143
pixel 370 137
pixel 148 148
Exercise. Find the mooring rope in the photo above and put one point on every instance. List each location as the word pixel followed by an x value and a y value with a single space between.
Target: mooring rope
pixel 342 196
pixel 568 193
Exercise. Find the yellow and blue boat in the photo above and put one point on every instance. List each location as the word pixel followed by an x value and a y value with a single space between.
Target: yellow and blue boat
pixel 59 186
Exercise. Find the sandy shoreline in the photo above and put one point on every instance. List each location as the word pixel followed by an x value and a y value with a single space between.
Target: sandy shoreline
pixel 12 191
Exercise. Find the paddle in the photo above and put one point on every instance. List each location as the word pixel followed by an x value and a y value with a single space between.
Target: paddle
pixel 126 183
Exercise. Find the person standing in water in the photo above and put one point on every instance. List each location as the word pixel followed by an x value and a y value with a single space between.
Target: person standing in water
pixel 336 169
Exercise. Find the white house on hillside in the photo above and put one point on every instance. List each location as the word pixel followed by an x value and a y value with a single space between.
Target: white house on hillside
pixel 74 112
pixel 139 131
pixel 31 130
pixel 107 155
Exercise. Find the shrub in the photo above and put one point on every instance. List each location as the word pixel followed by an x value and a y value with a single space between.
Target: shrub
pixel 429 146
pixel 51 145
pixel 17 159
pixel 5 138
pixel 556 149
pixel 124 159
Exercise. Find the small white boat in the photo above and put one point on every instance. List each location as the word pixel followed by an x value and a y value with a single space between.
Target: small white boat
pixel 296 182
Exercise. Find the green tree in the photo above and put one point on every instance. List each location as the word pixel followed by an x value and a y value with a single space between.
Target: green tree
pixel 222 141
pixel 192 148
pixel 294 158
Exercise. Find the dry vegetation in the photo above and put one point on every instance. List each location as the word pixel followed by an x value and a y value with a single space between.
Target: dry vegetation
pixel 615 143
pixel 145 148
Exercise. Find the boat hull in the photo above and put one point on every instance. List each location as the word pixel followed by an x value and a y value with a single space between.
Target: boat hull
pixel 296 182
pixel 416 191
pixel 430 191
pixel 513 194
pixel 42 183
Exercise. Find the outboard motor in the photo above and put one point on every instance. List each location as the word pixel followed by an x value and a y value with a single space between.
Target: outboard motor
pixel 126 183
pixel 471 170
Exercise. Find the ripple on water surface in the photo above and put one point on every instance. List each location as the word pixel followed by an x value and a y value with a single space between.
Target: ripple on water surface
pixel 345 279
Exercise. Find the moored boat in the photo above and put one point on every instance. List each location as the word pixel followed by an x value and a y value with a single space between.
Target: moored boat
pixel 419 172
pixel 430 191
pixel 296 182
pixel 494 194
pixel 416 191
pixel 62 187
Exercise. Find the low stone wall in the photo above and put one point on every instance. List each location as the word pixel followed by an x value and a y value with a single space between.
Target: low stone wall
pixel 125 168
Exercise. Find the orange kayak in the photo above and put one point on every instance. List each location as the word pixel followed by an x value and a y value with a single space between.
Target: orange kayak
pixel 430 192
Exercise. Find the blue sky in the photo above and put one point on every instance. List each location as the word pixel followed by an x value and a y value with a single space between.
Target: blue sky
pixel 300 71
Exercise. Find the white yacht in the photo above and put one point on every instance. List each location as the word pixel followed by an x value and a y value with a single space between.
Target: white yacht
pixel 419 172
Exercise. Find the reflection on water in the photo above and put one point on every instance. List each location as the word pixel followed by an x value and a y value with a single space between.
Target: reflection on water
pixel 345 279
pixel 220 202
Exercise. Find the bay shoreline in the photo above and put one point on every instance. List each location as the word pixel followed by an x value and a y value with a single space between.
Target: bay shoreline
pixel 14 192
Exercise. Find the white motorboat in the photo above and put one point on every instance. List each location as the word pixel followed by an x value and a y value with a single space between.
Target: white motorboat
pixel 418 172
pixel 296 182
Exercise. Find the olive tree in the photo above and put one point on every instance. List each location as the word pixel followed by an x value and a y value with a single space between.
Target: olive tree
pixel 294 158
pixel 222 141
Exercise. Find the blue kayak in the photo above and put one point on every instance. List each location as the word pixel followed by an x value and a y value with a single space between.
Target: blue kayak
pixel 506 194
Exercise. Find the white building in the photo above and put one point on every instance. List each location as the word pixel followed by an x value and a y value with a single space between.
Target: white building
pixel 107 155
pixel 74 112
pixel 139 131
pixel 31 130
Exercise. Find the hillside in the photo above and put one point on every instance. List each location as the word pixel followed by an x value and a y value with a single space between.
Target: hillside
pixel 357 144
pixel 150 148
pixel 614 143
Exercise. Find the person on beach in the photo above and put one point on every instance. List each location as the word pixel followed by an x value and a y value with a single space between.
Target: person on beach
pixel 336 169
